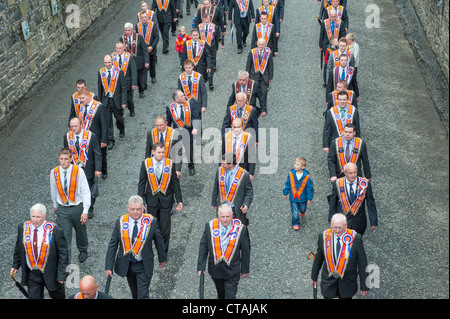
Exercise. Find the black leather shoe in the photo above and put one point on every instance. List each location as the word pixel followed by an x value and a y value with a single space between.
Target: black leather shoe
pixel 105 176
pixel 153 80
pixel 191 171
pixel 239 51
pixel 141 95
pixel 91 212
pixel 211 87
pixel 83 256
pixel 132 114
pixel 110 145
pixel 122 134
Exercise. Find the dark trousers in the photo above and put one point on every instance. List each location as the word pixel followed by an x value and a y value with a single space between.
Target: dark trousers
pixel 130 102
pixel 164 222
pixel 164 29
pixel 138 281
pixel 104 160
pixel 226 289
pixel 151 69
pixel 188 4
pixel 36 284
pixel 118 115
pixel 68 217
pixel 242 31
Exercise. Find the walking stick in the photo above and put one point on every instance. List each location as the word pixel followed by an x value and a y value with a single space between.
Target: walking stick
pixel 201 289
pixel 18 285
pixel 314 288
pixel 108 283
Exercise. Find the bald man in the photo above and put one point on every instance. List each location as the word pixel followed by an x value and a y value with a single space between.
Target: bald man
pixel 89 290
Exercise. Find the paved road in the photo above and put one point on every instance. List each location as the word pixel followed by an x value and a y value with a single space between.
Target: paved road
pixel 408 148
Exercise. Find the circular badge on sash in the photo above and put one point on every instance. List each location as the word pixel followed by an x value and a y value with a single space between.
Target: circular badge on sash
pixel 236 181
pixel 184 82
pixel 194 80
pixel 103 74
pixel 237 222
pixel 88 118
pixel 76 101
pixel 150 170
pixel 337 116
pixel 245 116
pixel 125 226
pixel 27 238
pixel 146 221
pixel 349 116
pixel 48 227
pixel 91 111
pixel 363 185
pixel 125 59
pixel 234 113
pixel 341 189
pixel 71 142
pixel 166 169
pixel 242 146
pixel 83 145
pixel 222 178
pixel 216 233
pixel 115 58
pixel 347 239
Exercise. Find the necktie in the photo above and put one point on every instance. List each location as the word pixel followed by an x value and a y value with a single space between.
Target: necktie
pixel 77 145
pixel 161 138
pixel 181 113
pixel 206 31
pixel 347 152
pixel 129 43
pixel 35 249
pixel 343 74
pixel 158 170
pixel 234 144
pixel 338 249
pixel 85 112
pixel 109 77
pixel 228 181
pixel 120 61
pixel 133 238
pixel 65 182
pixel 352 193
pixel 332 27
pixel 260 57
pixel 240 112
pixel 190 83
pixel 195 49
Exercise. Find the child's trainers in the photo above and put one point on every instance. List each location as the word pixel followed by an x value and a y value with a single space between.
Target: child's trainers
pixel 296 227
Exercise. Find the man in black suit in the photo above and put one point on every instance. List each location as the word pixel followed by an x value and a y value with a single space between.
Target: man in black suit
pixel 348 149
pixel 241 14
pixel 166 13
pixel 125 61
pixel 232 185
pixel 198 51
pixel 243 145
pixel 341 253
pixel 182 115
pixel 251 89
pixel 340 10
pixel 41 251
pixel 89 290
pixel 332 96
pixel 112 92
pixel 76 108
pixel 350 196
pixel 260 67
pixel 330 28
pixel 265 30
pixel 225 245
pixel 209 33
pixel 86 153
pixel 130 249
pixel 160 188
pixel 94 120
pixel 149 32
pixel 336 118
pixel 166 136
pixel 193 85
pixel 343 72
pixel 135 44
pixel 244 111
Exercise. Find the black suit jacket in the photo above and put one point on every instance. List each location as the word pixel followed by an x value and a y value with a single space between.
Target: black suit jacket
pixel 323 37
pixel 121 262
pixel 165 16
pixel 206 60
pixel 251 124
pixel 357 222
pixel 348 285
pixel 141 55
pixel 217 19
pixel 72 112
pixel 195 119
pixel 202 100
pixel 58 259
pixel 330 131
pixel 154 39
pixel 243 197
pixel 248 162
pixel 258 76
pixel 175 139
pixel 120 93
pixel 344 17
pixel 275 17
pixel 333 76
pixel 234 14
pixel 272 43
pixel 254 93
pixel 159 199
pixel 131 74
pixel 94 163
pixel 363 159
pixel 240 263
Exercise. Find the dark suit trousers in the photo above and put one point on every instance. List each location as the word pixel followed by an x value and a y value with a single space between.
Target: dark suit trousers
pixel 226 289
pixel 68 217
pixel 104 160
pixel 36 284
pixel 130 102
pixel 164 29
pixel 118 115
pixel 164 222
pixel 242 31
pixel 152 70
pixel 138 281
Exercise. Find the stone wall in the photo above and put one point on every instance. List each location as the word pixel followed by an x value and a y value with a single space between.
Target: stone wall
pixel 23 62
pixel 433 15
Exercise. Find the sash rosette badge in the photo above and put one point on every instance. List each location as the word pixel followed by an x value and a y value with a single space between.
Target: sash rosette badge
pixel 348 239
pixel 362 186
pixel 48 227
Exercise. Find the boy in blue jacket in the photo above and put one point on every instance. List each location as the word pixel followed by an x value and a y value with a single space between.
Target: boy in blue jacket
pixel 300 188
